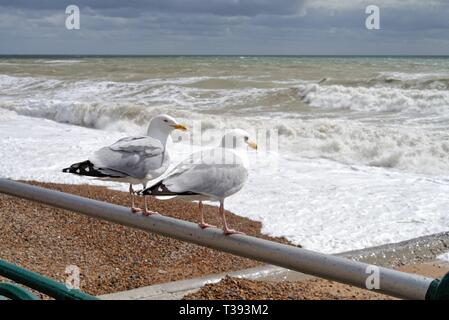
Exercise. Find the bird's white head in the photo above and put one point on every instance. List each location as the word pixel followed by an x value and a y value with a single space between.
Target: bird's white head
pixel 162 125
pixel 237 138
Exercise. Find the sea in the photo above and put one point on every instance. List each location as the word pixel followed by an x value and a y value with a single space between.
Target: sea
pixel 362 143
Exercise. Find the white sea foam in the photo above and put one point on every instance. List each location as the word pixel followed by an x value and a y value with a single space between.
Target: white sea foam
pixel 406 76
pixel 374 99
pixel 398 80
pixel 444 257
pixel 180 93
pixel 416 150
pixel 58 62
pixel 128 106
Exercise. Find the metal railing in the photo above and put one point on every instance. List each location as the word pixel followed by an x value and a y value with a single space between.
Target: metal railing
pixel 391 282
pixel 37 282
pixel 14 292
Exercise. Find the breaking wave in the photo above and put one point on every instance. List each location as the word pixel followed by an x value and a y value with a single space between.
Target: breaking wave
pixel 375 99
pixel 400 80
pixel 128 106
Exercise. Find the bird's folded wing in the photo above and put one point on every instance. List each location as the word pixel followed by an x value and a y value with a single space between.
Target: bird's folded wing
pixel 144 144
pixel 133 156
pixel 204 175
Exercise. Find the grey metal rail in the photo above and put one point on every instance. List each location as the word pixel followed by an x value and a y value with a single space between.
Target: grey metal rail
pixel 391 282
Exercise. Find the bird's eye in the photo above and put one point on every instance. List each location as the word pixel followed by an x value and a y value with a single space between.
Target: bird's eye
pixel 246 138
pixel 165 120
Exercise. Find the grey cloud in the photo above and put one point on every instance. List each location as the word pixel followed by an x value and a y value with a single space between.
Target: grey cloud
pixel 215 7
pixel 223 27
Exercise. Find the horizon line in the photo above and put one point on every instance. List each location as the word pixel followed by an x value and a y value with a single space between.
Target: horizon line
pixel 217 55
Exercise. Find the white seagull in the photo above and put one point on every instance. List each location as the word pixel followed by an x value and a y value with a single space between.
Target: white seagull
pixel 212 175
pixel 134 160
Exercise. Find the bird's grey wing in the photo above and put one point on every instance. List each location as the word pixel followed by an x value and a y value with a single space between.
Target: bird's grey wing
pixel 133 156
pixel 145 144
pixel 208 174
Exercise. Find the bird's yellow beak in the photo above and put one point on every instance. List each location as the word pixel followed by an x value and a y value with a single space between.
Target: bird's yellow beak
pixel 252 144
pixel 179 127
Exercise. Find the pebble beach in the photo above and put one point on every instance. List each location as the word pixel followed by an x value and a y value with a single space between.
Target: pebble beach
pixel 110 257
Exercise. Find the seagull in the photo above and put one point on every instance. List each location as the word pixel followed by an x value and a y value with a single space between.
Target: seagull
pixel 134 160
pixel 209 175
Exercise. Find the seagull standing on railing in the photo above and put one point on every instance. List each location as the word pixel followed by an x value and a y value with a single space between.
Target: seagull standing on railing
pixel 213 175
pixel 134 160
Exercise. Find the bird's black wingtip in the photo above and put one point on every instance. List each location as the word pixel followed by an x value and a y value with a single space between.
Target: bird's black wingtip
pixel 147 192
pixel 151 190
pixel 87 168
pixel 160 189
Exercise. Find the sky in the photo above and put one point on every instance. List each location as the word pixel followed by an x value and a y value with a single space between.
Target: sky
pixel 266 27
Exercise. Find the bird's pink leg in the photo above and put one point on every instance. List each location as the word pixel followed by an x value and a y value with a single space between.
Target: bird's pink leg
pixel 147 212
pixel 134 209
pixel 202 224
pixel 226 230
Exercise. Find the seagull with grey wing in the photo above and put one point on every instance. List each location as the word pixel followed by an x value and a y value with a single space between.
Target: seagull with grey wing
pixel 209 175
pixel 134 160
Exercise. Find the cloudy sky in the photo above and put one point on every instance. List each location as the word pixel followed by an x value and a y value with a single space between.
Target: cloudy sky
pixel 324 27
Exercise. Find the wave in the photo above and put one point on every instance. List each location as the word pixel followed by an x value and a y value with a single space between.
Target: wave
pixel 401 147
pixel 375 99
pixel 401 80
pixel 225 95
pixel 128 107
pixel 367 200
pixel 214 94
pixel 349 142
pixel 58 62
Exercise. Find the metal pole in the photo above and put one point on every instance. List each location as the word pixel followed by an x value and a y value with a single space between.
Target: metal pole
pixel 40 283
pixel 14 292
pixel 391 282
